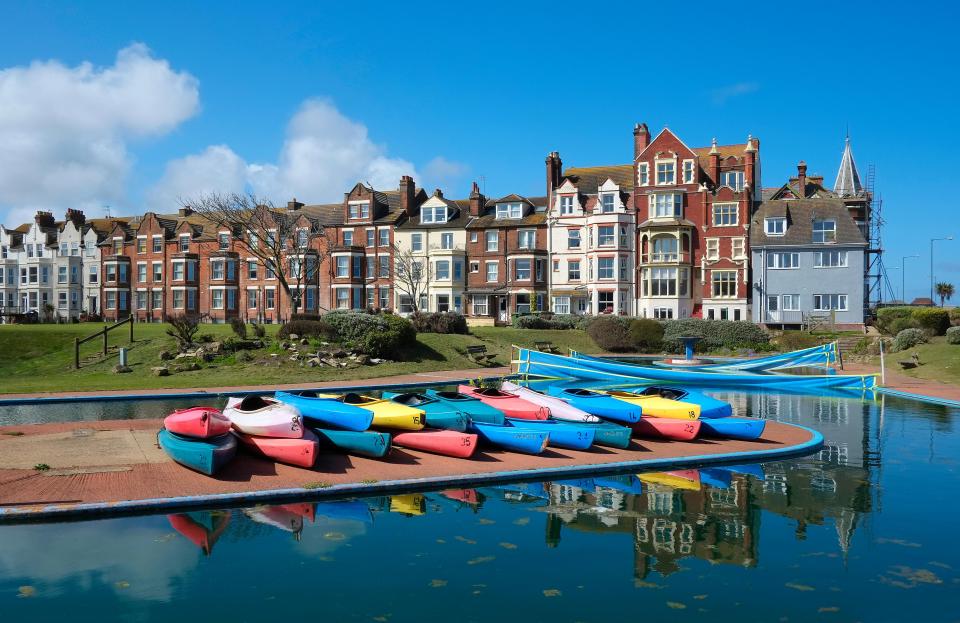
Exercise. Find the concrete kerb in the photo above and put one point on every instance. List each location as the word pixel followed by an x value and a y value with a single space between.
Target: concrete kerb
pixel 73 512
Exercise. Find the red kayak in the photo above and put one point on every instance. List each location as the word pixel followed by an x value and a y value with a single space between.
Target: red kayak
pixel 300 452
pixel 305 509
pixel 201 528
pixel 511 404
pixel 663 428
pixel 197 422
pixel 467 496
pixel 445 442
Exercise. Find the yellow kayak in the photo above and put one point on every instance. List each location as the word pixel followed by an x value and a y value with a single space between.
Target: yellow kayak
pixel 386 413
pixel 688 480
pixel 408 504
pixel 655 406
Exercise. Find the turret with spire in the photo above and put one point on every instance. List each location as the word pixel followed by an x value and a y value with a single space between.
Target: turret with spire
pixel 848 179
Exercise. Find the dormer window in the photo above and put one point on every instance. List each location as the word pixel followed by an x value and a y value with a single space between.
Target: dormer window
pixel 688 171
pixel 117 246
pixel 666 205
pixel 775 226
pixel 566 205
pixel 643 174
pixel 733 179
pixel 302 238
pixel 608 202
pixel 666 173
pixel 509 210
pixel 824 231
pixel 434 215
pixel 360 210
pixel 224 239
pixel 185 243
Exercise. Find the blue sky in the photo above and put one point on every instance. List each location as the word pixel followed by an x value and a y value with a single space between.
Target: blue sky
pixel 251 94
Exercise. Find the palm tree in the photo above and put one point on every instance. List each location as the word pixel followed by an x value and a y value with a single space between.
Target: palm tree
pixel 944 291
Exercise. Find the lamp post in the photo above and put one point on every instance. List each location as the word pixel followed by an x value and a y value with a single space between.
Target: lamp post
pixel 932 240
pixel 903 277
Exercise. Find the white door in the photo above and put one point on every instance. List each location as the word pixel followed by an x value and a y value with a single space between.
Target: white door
pixel 504 314
pixel 773 309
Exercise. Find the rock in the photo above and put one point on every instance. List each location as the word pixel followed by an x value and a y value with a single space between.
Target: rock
pixel 118 369
pixel 185 355
pixel 375 360
pixel 214 348
pixel 338 353
pixel 257 344
pixel 274 354
pixel 294 337
pixel 305 342
pixel 243 356
pixel 362 359
pixel 314 362
pixel 285 345
pixel 165 355
pixel 160 371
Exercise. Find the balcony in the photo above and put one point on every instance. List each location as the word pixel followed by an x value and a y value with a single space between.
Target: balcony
pixel 679 257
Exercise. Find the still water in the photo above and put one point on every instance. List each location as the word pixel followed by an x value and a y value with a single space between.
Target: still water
pixel 861 531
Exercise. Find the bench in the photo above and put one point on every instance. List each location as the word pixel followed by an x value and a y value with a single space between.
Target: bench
pixel 545 347
pixel 478 354
pixel 911 363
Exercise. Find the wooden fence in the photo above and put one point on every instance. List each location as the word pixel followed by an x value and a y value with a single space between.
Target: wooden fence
pixel 103 332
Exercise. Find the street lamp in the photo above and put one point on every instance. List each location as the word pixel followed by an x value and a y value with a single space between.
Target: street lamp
pixel 932 240
pixel 903 278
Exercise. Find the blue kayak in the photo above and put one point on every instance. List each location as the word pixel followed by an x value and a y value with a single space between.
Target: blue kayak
pixel 437 414
pixel 206 456
pixel 586 485
pixel 750 469
pixel 744 428
pixel 709 407
pixel 326 410
pixel 476 410
pixel 514 438
pixel 562 434
pixel 364 443
pixel 347 510
pixel 716 478
pixel 609 434
pixel 598 404
pixel 625 483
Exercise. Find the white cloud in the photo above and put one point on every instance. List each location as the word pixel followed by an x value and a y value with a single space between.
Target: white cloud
pixel 64 130
pixel 443 173
pixel 323 155
pixel 720 95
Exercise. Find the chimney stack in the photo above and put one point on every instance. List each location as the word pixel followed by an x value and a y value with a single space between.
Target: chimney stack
pixel 715 163
pixel 185 211
pixel 294 204
pixel 44 219
pixel 641 138
pixel 554 171
pixel 407 195
pixel 438 193
pixel 477 200
pixel 76 216
pixel 802 179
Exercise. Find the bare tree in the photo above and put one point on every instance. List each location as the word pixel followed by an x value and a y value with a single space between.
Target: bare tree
pixel 412 274
pixel 286 242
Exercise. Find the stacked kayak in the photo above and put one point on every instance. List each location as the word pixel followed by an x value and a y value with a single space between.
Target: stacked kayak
pixel 509 437
pixel 436 413
pixel 446 442
pixel 324 410
pixel 597 403
pixel 197 422
pixel 386 413
pixel 474 408
pixel 198 438
pixel 657 399
pixel 272 429
pixel 301 452
pixel 559 409
pixel 653 405
pixel 373 444
pixel 568 435
pixel 510 404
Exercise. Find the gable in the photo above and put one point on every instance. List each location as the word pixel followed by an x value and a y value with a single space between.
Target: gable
pixel 666 142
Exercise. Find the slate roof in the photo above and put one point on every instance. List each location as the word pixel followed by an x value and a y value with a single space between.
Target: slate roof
pixel 589 179
pixel 725 152
pixel 489 216
pixel 800 214
pixel 459 208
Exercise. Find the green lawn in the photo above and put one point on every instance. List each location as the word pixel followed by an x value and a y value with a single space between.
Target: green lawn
pixel 39 358
pixel 939 361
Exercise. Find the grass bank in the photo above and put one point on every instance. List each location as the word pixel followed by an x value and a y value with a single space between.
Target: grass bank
pixel 939 361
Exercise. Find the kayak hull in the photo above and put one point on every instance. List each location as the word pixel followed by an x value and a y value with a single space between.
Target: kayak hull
pixel 525 440
pixel 596 403
pixel 197 422
pixel 475 409
pixel 207 456
pixel 655 406
pixel 610 434
pixel 366 443
pixel 445 442
pixel 662 428
pixel 271 418
pixel 510 404
pixel 328 412
pixel 562 434
pixel 436 414
pixel 559 409
pixel 747 429
pixel 386 413
pixel 299 452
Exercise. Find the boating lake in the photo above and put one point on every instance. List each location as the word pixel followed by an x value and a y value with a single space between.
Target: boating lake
pixel 859 531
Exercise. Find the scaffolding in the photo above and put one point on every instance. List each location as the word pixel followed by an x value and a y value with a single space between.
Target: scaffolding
pixel 876 280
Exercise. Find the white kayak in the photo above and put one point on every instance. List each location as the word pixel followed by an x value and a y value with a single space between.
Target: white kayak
pixel 276 516
pixel 264 417
pixel 559 409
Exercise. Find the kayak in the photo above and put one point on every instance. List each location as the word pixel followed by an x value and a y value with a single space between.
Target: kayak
pixel 597 403
pixel 664 428
pixel 513 438
pixel 625 483
pixel 653 405
pixel 750 469
pixel 364 443
pixel 408 504
pixel 276 516
pixel 436 413
pixel 586 485
pixel 304 509
pixel 324 410
pixel 562 434
pixel 345 510
pixel 300 452
pixel 197 422
pixel 474 408
pixel 688 480
pixel 446 442
pixel 744 428
pixel 206 456
pixel 610 434
pixel 510 404
pixel 466 496
pixel 559 409
pixel 716 478
pixel 264 417
pixel 709 407
pixel 386 413
pixel 202 528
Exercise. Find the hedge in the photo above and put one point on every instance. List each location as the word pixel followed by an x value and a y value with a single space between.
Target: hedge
pixel 953 335
pixel 378 335
pixel 549 321
pixel 646 333
pixel 439 322
pixel 955 316
pixel 713 334
pixel 887 315
pixel 908 338
pixel 934 321
pixel 611 333
pixel 893 320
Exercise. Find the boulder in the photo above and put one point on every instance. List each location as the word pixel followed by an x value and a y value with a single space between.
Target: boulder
pixel 165 355
pixel 338 352
pixel 294 337
pixel 214 348
pixel 362 359
pixel 160 371
pixel 118 369
pixel 304 342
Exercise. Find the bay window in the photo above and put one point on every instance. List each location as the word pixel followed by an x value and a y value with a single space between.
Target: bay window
pixel 665 205
pixel 663 282
pixel 605 267
pixel 665 249
pixel 606 235
pixel 521 270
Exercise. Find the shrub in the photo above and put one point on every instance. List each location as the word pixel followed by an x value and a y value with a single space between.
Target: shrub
pixel 934 321
pixel 183 328
pixel 953 335
pixel 908 338
pixel 955 316
pixel 713 333
pixel 259 330
pixel 899 324
pixel 567 321
pixel 243 356
pixel 549 321
pixel 440 322
pixel 307 328
pixel 796 340
pixel 611 333
pixel 530 321
pixel 299 316
pixel 378 335
pixel 887 315
pixel 646 333
pixel 239 328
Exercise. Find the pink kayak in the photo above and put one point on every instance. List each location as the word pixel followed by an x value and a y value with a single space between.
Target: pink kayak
pixel 197 422
pixel 300 452
pixel 663 428
pixel 511 404
pixel 445 442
